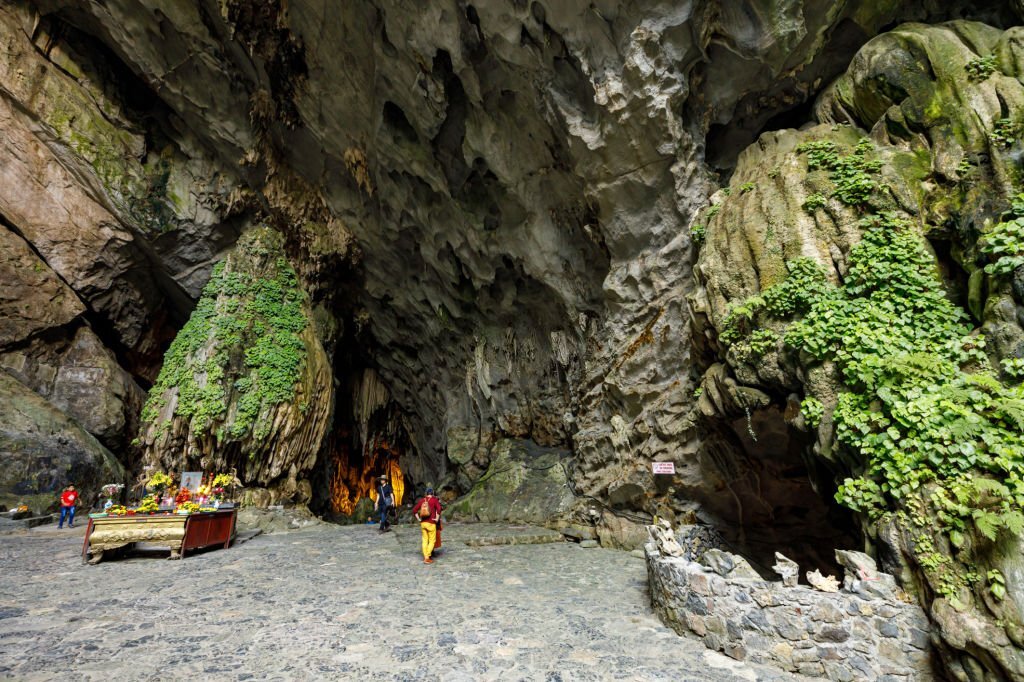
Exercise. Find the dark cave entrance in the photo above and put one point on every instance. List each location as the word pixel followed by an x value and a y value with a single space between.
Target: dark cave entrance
pixel 368 438
pixel 773 494
pixel 361 447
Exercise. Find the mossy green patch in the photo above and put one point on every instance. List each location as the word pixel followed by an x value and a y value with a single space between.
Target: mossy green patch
pixel 920 409
pixel 243 344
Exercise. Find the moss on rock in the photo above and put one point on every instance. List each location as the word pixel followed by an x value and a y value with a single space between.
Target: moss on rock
pixel 245 382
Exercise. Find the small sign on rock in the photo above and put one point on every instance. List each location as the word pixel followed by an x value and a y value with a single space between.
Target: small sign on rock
pixel 663 467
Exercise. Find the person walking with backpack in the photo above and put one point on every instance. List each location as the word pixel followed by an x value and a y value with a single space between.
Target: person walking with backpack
pixel 385 500
pixel 68 499
pixel 428 510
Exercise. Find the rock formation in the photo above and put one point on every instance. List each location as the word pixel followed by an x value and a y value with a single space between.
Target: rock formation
pixel 532 248
pixel 246 384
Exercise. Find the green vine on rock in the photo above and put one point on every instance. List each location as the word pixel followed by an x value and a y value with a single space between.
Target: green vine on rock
pixel 1006 241
pixel 242 343
pixel 920 405
pixel 852 174
pixel 812 410
pixel 980 68
pixel 1005 132
pixel 920 410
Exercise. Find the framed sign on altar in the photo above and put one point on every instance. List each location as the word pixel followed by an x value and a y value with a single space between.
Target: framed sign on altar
pixel 191 480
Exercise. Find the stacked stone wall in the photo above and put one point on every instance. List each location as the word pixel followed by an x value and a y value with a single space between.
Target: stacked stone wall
pixel 835 635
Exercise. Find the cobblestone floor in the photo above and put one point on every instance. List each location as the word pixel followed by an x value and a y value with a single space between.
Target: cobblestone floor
pixel 332 602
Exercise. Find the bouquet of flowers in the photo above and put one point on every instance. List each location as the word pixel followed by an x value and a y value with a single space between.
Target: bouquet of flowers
pixel 159 481
pixel 183 496
pixel 111 490
pixel 218 485
pixel 187 508
pixel 148 505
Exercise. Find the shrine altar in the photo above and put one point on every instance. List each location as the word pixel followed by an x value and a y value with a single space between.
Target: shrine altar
pixel 178 532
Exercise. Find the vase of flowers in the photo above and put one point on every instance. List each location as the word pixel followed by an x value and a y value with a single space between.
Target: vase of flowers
pixel 109 492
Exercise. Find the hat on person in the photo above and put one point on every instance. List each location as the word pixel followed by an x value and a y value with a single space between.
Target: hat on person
pixel 430 491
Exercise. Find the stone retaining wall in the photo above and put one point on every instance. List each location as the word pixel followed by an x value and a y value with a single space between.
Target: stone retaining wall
pixel 835 635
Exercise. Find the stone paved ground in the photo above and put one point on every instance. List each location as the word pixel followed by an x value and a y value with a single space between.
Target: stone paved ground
pixel 332 602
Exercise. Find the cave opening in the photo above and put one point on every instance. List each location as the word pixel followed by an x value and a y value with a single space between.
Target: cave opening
pixel 368 438
pixel 773 494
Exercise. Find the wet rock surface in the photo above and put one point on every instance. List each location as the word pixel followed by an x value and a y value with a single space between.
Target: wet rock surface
pixel 342 603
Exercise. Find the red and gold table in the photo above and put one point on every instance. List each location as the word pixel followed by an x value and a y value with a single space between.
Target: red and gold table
pixel 178 532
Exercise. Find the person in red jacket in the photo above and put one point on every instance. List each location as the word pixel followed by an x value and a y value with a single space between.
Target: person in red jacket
pixel 67 506
pixel 428 510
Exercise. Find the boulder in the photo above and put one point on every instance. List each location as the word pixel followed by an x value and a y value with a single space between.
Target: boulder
pixel 246 384
pixel 75 371
pixel 822 583
pixel 42 450
pixel 664 542
pixel 524 483
pixel 697 539
pixel 33 298
pixel 863 577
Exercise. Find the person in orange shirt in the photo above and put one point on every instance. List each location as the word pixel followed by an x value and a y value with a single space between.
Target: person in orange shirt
pixel 68 499
pixel 428 510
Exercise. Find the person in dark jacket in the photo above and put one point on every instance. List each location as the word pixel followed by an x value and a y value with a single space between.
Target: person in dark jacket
pixel 428 510
pixel 385 501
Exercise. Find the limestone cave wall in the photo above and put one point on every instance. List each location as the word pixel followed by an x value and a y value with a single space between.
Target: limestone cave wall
pixel 519 235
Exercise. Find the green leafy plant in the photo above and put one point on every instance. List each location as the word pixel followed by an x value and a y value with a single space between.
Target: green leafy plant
pixel 698 233
pixel 910 409
pixel 852 174
pixel 762 341
pixel 746 187
pixel 804 283
pixel 814 202
pixel 1006 241
pixel 996 584
pixel 1014 367
pixel 812 410
pixel 1005 132
pixel 980 68
pixel 920 408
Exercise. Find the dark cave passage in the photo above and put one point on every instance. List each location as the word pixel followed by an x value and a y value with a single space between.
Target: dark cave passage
pixel 367 439
pixel 773 495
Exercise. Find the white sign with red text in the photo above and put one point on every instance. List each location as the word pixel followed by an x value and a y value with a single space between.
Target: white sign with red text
pixel 663 467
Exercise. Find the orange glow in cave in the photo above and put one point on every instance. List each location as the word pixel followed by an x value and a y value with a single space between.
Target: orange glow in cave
pixel 349 484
